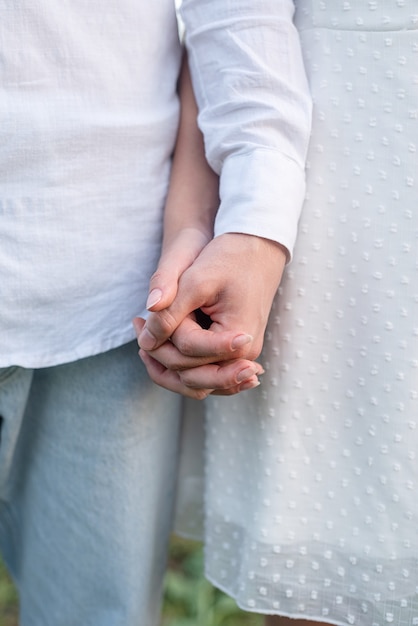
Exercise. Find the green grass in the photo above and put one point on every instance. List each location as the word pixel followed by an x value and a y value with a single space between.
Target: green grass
pixel 189 599
pixel 8 600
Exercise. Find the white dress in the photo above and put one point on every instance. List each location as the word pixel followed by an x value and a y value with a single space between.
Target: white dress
pixel 311 494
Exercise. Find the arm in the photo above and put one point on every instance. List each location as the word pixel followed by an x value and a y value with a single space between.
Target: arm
pixel 190 210
pixel 255 113
pixel 191 205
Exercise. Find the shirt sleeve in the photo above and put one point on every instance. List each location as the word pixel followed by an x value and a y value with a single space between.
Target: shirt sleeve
pixel 255 111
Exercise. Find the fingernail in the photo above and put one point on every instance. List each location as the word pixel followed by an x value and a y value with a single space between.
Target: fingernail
pixel 245 374
pixel 146 340
pixel 251 384
pixel 153 298
pixel 240 341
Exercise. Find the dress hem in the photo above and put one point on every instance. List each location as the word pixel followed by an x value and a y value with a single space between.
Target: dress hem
pixel 310 618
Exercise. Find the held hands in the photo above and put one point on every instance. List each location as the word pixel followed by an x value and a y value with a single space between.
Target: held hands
pixel 233 281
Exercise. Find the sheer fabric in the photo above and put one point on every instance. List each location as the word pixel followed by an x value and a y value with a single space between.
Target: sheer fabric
pixel 310 506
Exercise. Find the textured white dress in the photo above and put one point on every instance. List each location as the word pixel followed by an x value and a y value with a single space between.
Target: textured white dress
pixel 311 494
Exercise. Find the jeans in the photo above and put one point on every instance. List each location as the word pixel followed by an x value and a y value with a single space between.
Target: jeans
pixel 88 462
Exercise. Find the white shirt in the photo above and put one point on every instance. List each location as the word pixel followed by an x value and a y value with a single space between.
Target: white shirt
pixel 88 121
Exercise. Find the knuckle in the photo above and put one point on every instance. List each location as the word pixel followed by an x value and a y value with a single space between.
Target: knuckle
pixel 201 394
pixel 163 322
pixel 252 351
pixel 185 346
pixel 170 363
pixel 156 279
pixel 188 379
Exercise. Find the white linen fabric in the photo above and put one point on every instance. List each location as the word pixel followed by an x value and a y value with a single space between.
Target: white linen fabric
pixel 255 112
pixel 311 503
pixel 88 118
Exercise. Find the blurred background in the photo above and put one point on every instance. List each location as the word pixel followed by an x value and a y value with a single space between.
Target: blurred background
pixel 189 599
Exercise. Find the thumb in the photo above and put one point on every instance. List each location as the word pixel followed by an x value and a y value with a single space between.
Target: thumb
pixel 161 324
pixel 176 257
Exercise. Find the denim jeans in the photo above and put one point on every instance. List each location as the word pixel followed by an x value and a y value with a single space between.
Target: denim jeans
pixel 88 462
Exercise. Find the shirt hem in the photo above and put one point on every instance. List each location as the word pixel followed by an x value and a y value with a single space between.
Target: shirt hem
pixel 60 358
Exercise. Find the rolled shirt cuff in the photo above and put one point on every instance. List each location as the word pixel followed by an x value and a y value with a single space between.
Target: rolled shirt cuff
pixel 262 194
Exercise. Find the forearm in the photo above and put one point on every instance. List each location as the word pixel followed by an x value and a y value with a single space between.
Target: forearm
pixel 193 197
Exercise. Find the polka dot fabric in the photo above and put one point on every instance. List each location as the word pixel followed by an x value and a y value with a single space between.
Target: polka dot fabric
pixel 312 479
